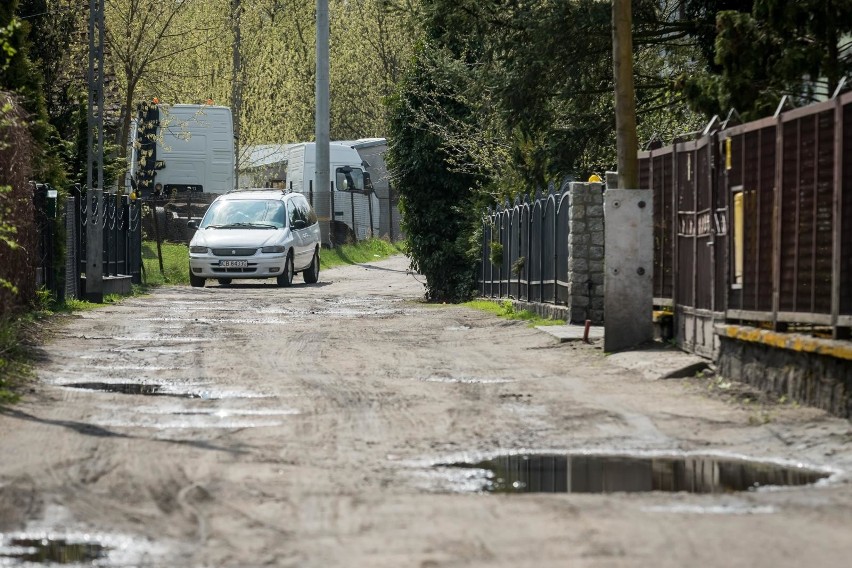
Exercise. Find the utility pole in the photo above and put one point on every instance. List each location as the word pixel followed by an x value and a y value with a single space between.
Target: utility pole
pixel 236 86
pixel 95 155
pixel 322 174
pixel 625 100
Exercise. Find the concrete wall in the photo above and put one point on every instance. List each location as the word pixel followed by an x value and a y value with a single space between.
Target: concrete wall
pixel 811 371
pixel 586 252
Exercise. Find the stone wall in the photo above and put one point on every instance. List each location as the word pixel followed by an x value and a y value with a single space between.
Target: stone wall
pixel 801 374
pixel 586 252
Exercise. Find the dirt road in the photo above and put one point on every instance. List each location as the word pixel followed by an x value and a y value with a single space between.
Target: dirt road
pixel 260 426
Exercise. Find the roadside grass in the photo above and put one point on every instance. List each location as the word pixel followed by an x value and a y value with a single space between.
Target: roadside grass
pixel 176 259
pixel 13 366
pixel 19 337
pixel 370 250
pixel 175 264
pixel 506 310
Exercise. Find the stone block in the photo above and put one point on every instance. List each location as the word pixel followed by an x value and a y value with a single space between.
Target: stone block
pixel 595 211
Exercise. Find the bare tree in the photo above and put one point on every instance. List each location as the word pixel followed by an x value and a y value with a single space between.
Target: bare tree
pixel 139 34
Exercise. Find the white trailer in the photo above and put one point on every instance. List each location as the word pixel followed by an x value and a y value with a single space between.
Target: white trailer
pixel 348 210
pixel 180 148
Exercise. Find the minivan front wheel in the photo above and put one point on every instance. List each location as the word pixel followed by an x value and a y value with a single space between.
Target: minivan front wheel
pixel 311 274
pixel 196 281
pixel 285 279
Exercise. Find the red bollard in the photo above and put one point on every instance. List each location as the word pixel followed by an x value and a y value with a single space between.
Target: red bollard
pixel 586 331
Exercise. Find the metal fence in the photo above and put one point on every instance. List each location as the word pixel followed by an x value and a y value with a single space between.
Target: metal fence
pixel 345 216
pixel 530 259
pixel 120 220
pixel 755 223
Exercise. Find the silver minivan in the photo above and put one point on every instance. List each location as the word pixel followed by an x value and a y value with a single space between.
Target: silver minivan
pixel 256 233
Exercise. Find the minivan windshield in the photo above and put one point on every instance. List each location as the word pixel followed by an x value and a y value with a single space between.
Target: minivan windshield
pixel 245 213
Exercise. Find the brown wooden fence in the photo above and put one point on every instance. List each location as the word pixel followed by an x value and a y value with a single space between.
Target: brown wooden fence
pixel 753 223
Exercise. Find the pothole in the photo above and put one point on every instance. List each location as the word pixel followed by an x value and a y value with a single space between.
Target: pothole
pixel 560 473
pixel 53 551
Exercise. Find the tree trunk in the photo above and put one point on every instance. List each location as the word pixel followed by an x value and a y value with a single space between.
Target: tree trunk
pixel 127 116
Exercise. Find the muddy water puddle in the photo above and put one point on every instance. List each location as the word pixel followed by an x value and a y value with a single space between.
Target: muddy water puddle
pixel 156 389
pixel 560 473
pixel 135 388
pixel 52 551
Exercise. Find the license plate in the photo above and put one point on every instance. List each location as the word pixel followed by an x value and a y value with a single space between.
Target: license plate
pixel 233 263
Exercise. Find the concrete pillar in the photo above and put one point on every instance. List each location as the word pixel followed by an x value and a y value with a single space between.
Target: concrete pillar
pixel 629 268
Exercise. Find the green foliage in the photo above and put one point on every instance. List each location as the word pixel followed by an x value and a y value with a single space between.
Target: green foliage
pixel 771 48
pixel 438 201
pixel 496 255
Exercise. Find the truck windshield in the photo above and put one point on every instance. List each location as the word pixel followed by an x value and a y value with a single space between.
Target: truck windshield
pixel 349 179
pixel 241 213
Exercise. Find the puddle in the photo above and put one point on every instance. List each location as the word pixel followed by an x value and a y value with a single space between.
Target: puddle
pixel 153 389
pixel 560 473
pixel 53 551
pixel 135 388
pixel 466 380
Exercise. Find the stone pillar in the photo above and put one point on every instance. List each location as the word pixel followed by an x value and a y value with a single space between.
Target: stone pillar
pixel 586 252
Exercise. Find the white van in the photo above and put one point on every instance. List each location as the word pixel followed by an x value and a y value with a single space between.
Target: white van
pixel 179 148
pixel 348 210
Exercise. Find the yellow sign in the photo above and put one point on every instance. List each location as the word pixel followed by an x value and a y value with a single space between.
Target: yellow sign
pixel 728 165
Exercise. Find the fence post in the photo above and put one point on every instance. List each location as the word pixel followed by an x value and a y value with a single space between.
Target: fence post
pixel 776 220
pixel 134 227
pixel 837 223
pixel 352 206
pixel 332 223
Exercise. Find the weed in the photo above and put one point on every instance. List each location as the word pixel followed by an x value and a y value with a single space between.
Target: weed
pixel 506 309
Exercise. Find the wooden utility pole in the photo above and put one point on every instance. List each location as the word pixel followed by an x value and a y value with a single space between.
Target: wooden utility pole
pixel 625 99
pixel 95 155
pixel 322 173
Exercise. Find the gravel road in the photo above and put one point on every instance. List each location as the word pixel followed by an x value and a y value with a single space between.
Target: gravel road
pixel 252 425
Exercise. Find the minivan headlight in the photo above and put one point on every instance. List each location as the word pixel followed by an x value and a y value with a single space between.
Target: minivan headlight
pixel 198 250
pixel 273 248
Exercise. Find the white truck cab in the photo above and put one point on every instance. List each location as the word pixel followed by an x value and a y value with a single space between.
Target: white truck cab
pixel 348 210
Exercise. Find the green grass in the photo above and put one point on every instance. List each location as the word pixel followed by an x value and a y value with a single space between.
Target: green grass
pixel 19 336
pixel 176 259
pixel 506 310
pixel 175 264
pixel 370 250
pixel 13 365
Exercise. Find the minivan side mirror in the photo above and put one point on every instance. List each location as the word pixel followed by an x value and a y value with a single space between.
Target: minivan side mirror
pixel 299 224
pixel 368 183
pixel 191 224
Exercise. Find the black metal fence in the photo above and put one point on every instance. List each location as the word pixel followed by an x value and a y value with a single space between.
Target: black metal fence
pixel 525 249
pixel 116 216
pixel 345 216
pixel 48 271
pixel 119 219
pixel 754 223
